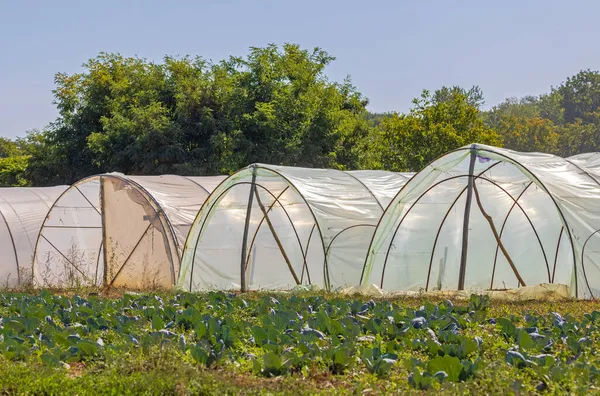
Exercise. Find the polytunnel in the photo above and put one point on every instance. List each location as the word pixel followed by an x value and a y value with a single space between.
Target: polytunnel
pixel 119 230
pixel 589 161
pixel 486 218
pixel 274 227
pixel 22 211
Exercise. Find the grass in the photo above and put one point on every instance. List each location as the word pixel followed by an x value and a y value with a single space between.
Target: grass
pixel 43 361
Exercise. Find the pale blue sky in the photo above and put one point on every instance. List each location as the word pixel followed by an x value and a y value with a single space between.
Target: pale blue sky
pixel 391 49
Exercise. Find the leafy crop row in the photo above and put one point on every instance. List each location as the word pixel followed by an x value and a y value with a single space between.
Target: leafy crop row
pixel 434 345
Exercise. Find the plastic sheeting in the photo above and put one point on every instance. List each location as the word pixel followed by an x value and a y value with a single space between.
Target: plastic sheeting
pixel 22 211
pixel 590 161
pixel 119 230
pixel 544 210
pixel 544 291
pixel 288 226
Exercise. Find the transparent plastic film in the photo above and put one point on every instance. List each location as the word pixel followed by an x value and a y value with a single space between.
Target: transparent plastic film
pixel 139 249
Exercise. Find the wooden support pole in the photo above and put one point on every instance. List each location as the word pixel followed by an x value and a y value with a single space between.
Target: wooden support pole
pixel 465 233
pixel 276 237
pixel 497 236
pixel 243 283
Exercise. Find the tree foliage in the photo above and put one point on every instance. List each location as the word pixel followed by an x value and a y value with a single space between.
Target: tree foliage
pixel 438 122
pixel 13 163
pixel 566 121
pixel 190 116
pixel 275 105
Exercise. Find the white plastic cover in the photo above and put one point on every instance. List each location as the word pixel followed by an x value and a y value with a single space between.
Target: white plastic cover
pixel 545 210
pixel 22 211
pixel 288 226
pixel 137 224
pixel 382 184
pixel 588 160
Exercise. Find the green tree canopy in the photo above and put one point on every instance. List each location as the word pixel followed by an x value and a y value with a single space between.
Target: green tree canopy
pixel 580 96
pixel 186 115
pixel 439 122
pixel 14 161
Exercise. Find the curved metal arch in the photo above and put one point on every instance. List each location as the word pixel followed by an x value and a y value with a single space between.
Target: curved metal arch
pixel 563 218
pixel 444 220
pixel 515 200
pixel 34 246
pixel 502 231
pixel 510 160
pixel 159 211
pixel 145 193
pixel 403 174
pixel 77 183
pixel 218 199
pixel 562 230
pixel 12 242
pixel 276 200
pixel 204 204
pixel 326 262
pixel 187 239
pixel 290 183
pixel 306 253
pixel 393 200
pixel 452 178
pixel 263 166
pixel 583 170
pixel 582 263
pixel 326 266
pixel 366 188
pixel 247 260
pixel 406 214
pixel 346 229
pixel 196 183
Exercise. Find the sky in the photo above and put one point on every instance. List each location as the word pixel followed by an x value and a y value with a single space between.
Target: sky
pixel 391 49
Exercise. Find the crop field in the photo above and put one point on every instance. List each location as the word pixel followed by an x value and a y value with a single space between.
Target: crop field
pixel 220 343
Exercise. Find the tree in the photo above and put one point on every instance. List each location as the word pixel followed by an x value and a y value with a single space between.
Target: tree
pixel 527 107
pixel 438 123
pixel 550 108
pixel 529 134
pixel 578 137
pixel 473 96
pixel 189 116
pixel 376 118
pixel 8 148
pixel 13 164
pixel 284 110
pixel 12 171
pixel 520 123
pixel 580 96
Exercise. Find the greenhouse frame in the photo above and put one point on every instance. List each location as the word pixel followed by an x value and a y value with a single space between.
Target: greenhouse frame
pixel 277 227
pixel 22 211
pixel 486 218
pixel 118 230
